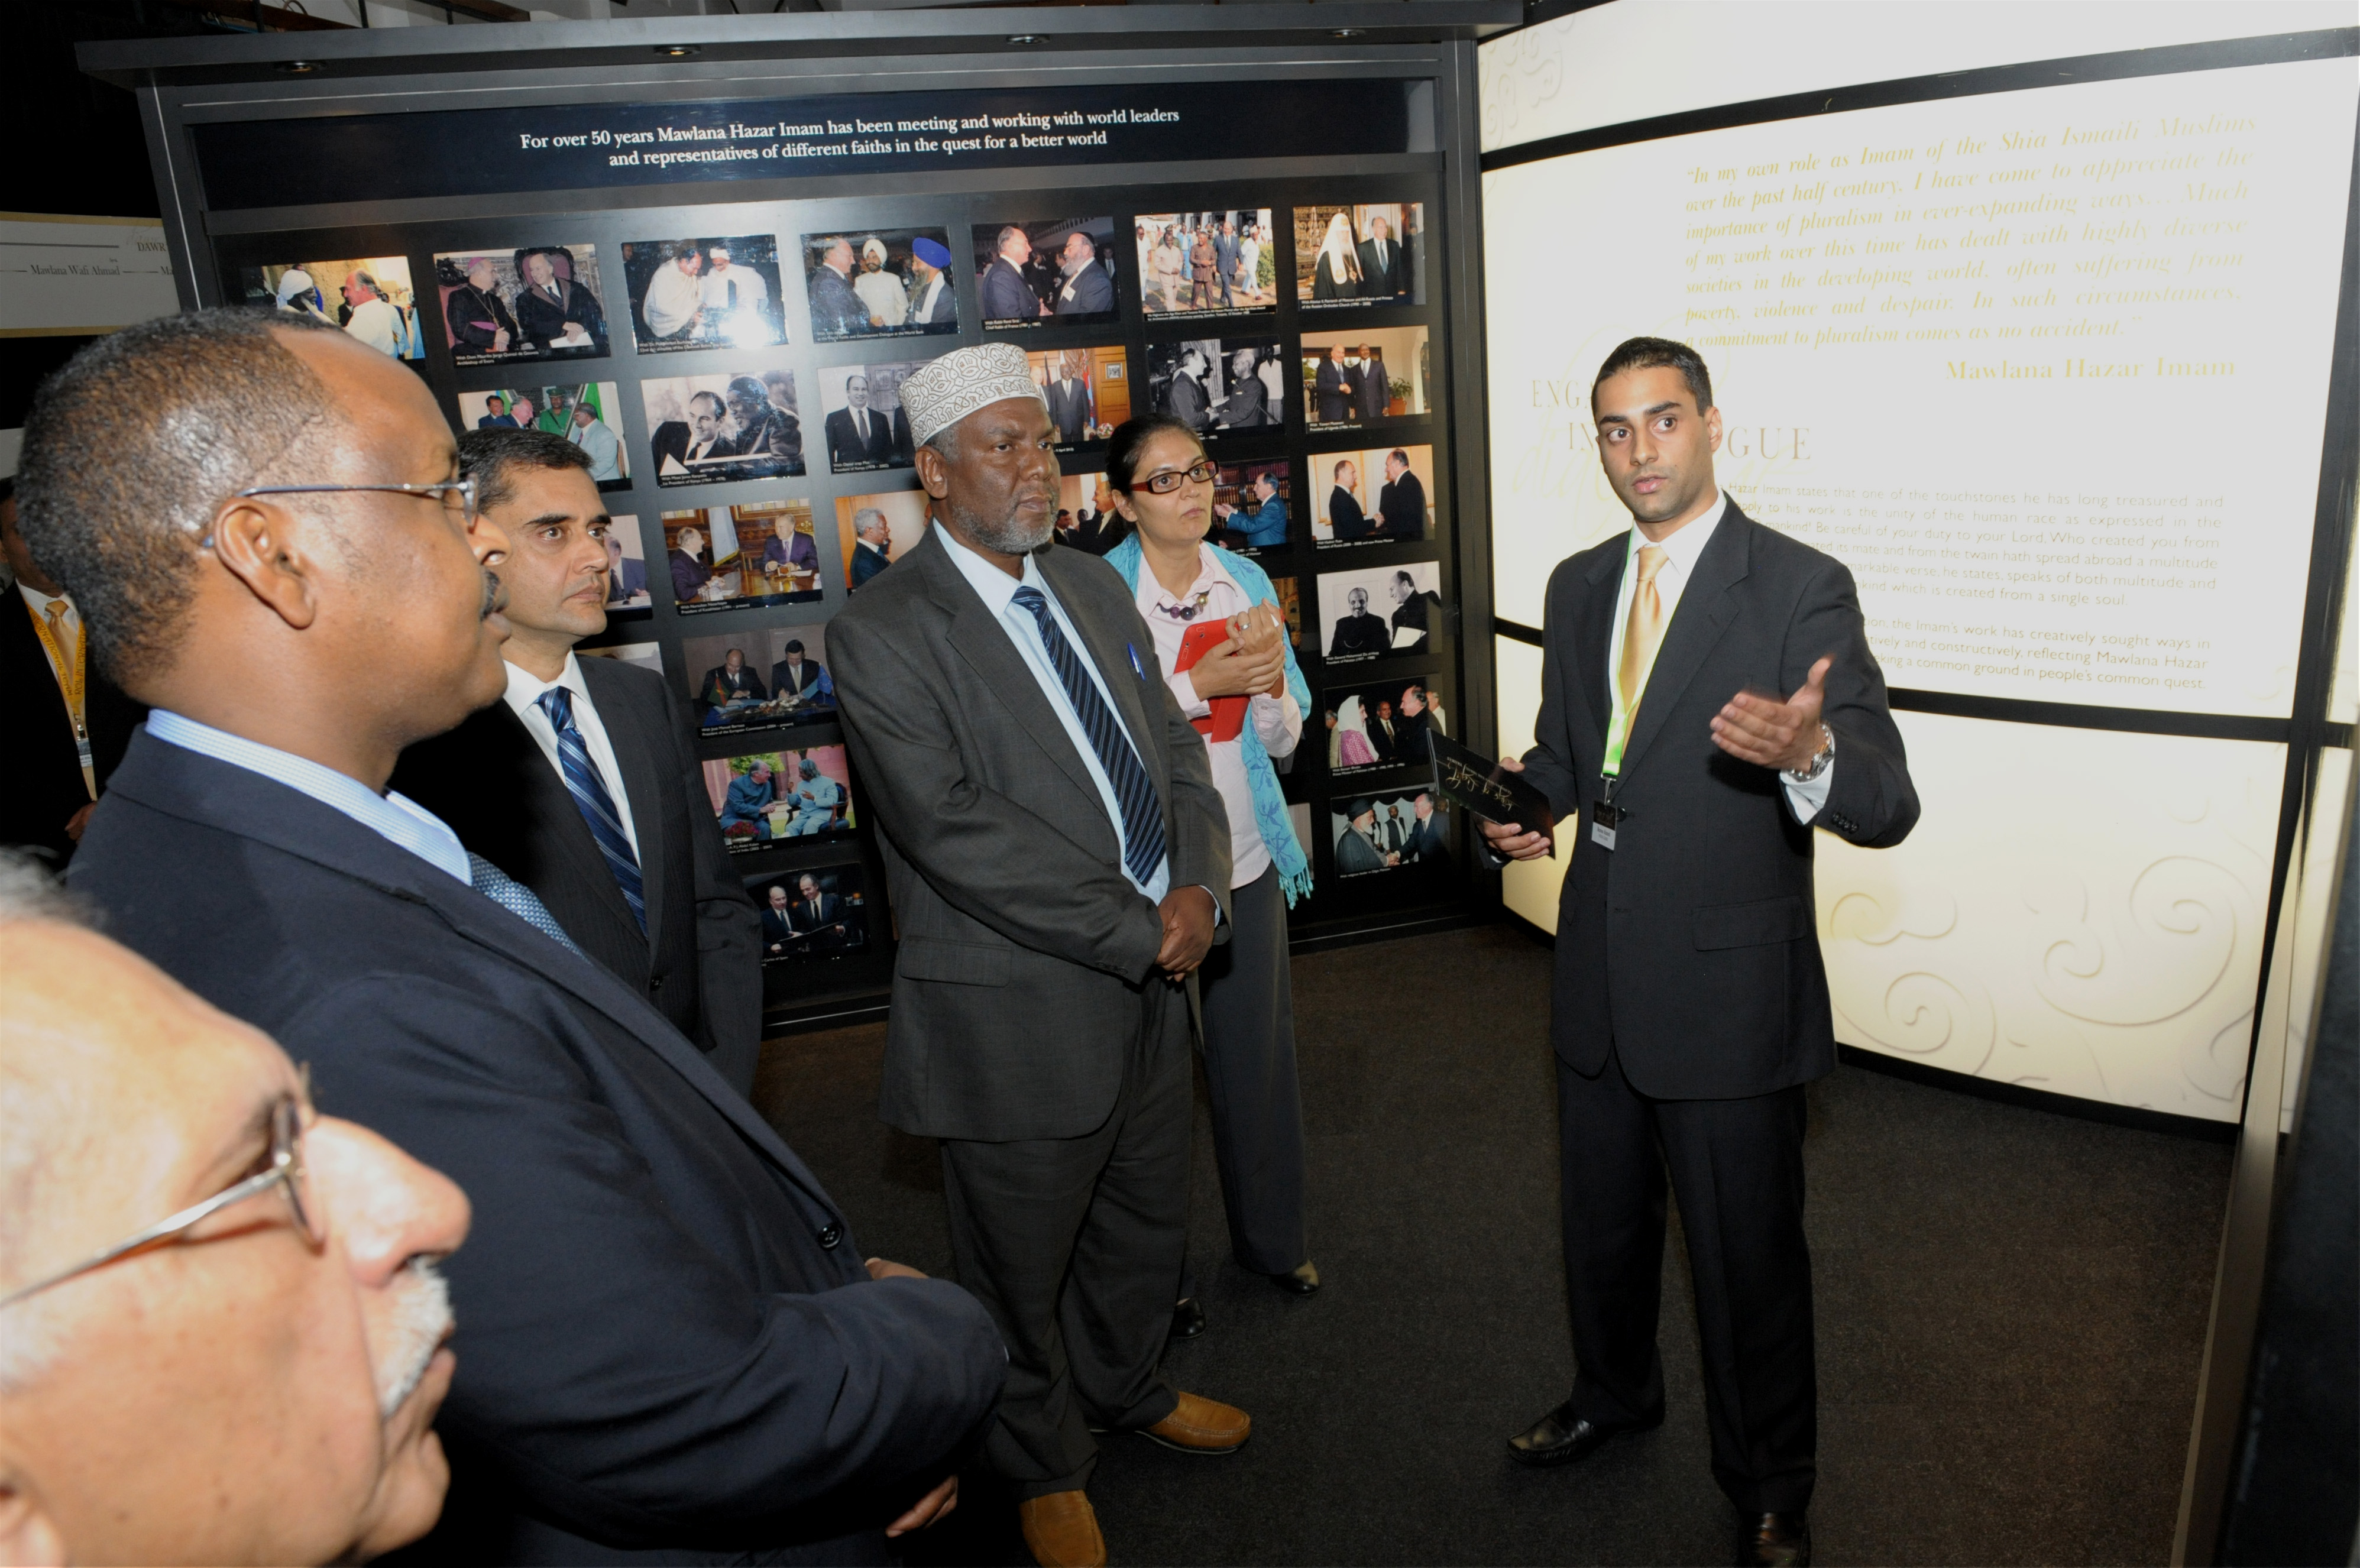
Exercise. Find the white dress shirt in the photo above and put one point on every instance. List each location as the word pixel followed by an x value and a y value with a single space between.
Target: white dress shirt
pixel 671 300
pixel 394 817
pixel 523 697
pixel 998 590
pixel 1682 549
pixel 882 292
pixel 377 325
pixel 733 288
pixel 1277 721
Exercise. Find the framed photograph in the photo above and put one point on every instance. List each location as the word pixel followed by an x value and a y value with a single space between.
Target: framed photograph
pixel 1195 263
pixel 1383 725
pixel 1384 609
pixel 587 413
pixel 1381 495
pixel 730 426
pixel 1220 385
pixel 880 283
pixel 862 417
pixel 769 797
pixel 1366 378
pixel 1402 831
pixel 370 297
pixel 627 597
pixel 1372 255
pixel 814 914
pixel 731 558
pixel 532 302
pixel 1253 503
pixel 1087 518
pixel 758 677
pixel 1046 272
pixel 646 655
pixel 718 291
pixel 1088 391
pixel 875 530
pixel 1289 604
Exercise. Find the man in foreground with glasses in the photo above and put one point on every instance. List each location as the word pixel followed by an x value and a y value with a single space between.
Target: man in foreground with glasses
pixel 222 1335
pixel 673 1343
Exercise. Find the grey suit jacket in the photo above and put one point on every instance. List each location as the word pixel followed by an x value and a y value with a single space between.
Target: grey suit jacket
pixel 1023 948
pixel 1691 949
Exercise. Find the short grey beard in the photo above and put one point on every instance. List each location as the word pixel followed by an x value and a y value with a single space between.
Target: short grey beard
pixel 420 1322
pixel 1005 536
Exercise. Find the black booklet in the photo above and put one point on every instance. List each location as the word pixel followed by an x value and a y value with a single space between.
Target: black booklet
pixel 1488 791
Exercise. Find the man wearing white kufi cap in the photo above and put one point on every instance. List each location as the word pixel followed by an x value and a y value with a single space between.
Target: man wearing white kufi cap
pixel 1059 864
pixel 882 292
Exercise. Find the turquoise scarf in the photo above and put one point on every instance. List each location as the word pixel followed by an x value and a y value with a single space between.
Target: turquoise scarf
pixel 1261 778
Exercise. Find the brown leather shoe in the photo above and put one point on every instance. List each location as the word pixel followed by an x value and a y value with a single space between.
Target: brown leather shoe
pixel 1202 1426
pixel 1062 1530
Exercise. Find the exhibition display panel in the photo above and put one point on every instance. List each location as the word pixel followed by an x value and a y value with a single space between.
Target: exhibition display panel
pixel 2042 353
pixel 715 278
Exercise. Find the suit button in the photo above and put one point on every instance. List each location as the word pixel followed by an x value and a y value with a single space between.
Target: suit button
pixel 829 1235
pixel 655 983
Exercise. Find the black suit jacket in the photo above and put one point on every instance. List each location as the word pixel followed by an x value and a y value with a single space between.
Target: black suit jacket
pixel 1379 281
pixel 543 319
pixel 1403 502
pixel 1336 389
pixel 1692 947
pixel 1023 948
pixel 668 1341
pixel 845 446
pixel 41 782
pixel 698 961
pixel 1372 392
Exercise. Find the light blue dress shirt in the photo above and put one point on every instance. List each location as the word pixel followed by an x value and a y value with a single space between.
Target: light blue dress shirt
pixel 395 818
pixel 998 591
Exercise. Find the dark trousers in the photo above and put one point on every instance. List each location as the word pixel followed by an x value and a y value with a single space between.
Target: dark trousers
pixel 1249 1054
pixel 1737 1169
pixel 1072 1244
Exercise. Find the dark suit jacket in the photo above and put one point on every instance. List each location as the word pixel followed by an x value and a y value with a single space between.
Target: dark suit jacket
pixel 1369 392
pixel 1363 633
pixel 491 782
pixel 1247 407
pixel 1344 515
pixel 837 312
pixel 1089 292
pixel 819 921
pixel 867 563
pixel 1691 948
pixel 1005 295
pixel 1379 281
pixel 845 446
pixel 1336 388
pixel 670 1341
pixel 1023 948
pixel 672 440
pixel 777 928
pixel 786 683
pixel 1403 502
pixel 40 783
pixel 1186 397
pixel 1072 411
pixel 475 317
pixel 543 319
pixel 719 686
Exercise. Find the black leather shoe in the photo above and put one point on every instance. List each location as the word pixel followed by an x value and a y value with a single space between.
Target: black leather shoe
pixel 1777 1541
pixel 1302 1281
pixel 1562 1437
pixel 1188 1318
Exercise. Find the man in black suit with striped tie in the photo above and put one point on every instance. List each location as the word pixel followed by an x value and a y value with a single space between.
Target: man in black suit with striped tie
pixel 581 784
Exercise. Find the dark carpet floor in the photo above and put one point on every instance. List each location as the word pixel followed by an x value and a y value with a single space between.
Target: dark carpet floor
pixel 2011 1310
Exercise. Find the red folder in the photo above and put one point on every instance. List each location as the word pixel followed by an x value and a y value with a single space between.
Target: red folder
pixel 1228 714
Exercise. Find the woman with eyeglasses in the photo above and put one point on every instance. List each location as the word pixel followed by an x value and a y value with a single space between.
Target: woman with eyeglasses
pixel 1163 486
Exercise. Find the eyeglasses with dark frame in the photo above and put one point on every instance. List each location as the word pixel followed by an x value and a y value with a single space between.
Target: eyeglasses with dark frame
pixel 284 1170
pixel 1203 471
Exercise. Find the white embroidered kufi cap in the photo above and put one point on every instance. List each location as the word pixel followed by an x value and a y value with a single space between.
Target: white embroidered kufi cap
pixel 950 389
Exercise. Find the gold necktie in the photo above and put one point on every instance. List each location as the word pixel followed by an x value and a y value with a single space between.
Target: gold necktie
pixel 1645 632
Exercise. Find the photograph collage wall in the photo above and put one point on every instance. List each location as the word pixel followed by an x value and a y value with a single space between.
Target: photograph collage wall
pixel 734 372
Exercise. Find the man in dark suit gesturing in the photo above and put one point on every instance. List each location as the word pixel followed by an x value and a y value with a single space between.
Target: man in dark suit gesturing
pixel 1691 1006
pixel 672 1345
pixel 1059 859
pixel 581 783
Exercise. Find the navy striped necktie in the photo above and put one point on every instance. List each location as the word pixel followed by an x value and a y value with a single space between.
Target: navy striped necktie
pixel 1142 813
pixel 597 806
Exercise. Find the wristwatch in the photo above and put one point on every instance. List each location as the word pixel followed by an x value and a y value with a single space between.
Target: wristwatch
pixel 1821 760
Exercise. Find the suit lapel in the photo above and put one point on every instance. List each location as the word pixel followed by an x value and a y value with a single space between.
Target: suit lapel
pixel 185 785
pixel 1594 633
pixel 635 753
pixel 1706 606
pixel 983 642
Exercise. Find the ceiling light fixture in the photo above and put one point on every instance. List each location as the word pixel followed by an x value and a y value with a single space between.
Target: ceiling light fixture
pixel 1026 38
pixel 298 67
pixel 676 51
pixel 1348 32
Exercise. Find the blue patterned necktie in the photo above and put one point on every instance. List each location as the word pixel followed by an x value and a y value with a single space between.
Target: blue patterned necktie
pixel 597 806
pixel 1142 813
pixel 519 900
